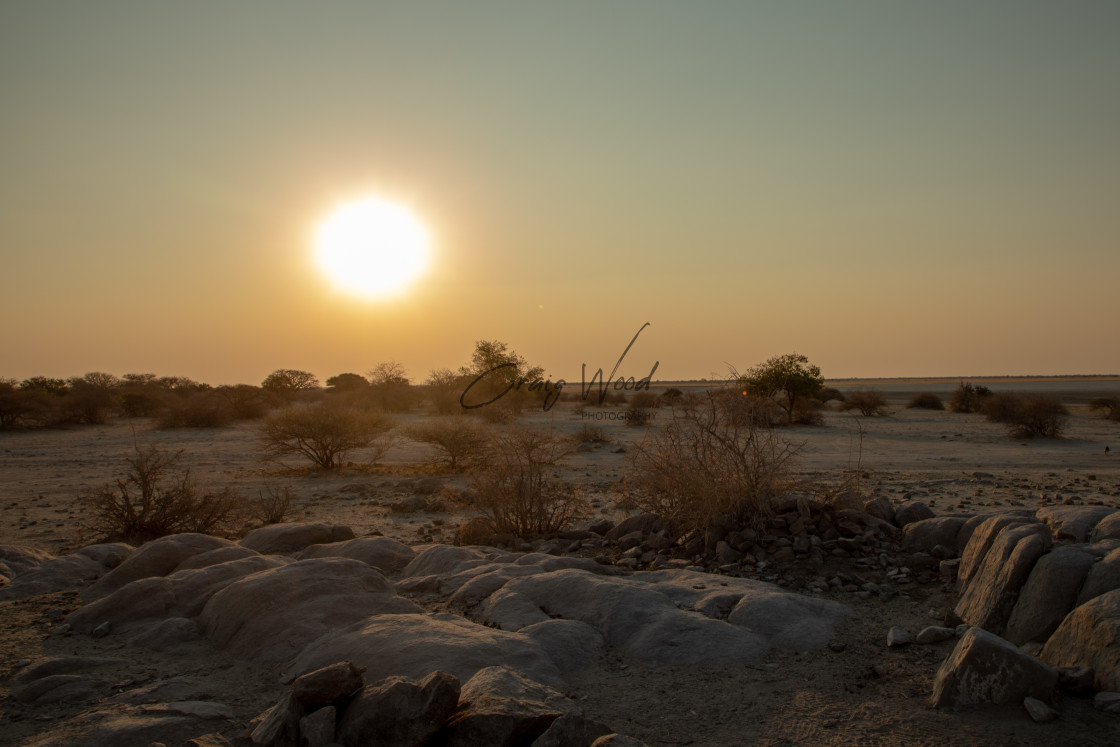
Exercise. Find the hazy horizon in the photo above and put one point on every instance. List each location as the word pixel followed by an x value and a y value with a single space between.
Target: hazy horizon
pixel 892 190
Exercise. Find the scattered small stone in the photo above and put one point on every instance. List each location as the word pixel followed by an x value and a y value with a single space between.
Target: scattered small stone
pixel 1107 702
pixel 836 647
pixel 1039 711
pixel 935 634
pixel 1076 680
pixel 897 637
pixel 101 630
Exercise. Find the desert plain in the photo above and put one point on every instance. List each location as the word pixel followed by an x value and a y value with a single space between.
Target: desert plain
pixel 856 690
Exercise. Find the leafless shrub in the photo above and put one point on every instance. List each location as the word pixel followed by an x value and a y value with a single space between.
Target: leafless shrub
pixel 869 402
pixel 325 433
pixel 828 394
pixel 458 440
pixel 515 489
pixel 1027 415
pixel 925 401
pixel 197 410
pixel 476 531
pixel 156 498
pixel 969 398
pixel 711 465
pixel 1109 405
pixel 273 505
pixel 593 434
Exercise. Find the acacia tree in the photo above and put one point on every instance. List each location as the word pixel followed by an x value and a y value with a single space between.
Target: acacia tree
pixel 325 433
pixel 495 369
pixel 786 379
pixel 285 383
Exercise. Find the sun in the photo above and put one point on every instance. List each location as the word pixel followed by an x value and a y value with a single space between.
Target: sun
pixel 372 248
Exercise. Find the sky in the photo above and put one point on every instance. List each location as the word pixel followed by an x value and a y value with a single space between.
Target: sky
pixel 892 189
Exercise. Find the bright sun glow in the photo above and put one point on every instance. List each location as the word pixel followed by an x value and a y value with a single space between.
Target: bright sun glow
pixel 372 248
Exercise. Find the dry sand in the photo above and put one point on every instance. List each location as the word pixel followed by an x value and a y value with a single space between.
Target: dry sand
pixel 864 694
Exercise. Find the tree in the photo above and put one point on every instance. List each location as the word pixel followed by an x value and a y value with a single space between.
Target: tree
pixel 495 372
pixel 325 433
pixel 391 388
pixel 347 382
pixel 285 383
pixel 787 379
pixel 92 397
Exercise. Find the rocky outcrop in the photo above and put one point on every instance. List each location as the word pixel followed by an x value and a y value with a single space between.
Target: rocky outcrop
pixel 1090 636
pixel 1048 595
pixel 985 668
pixel 279 539
pixel 386 555
pixel 990 595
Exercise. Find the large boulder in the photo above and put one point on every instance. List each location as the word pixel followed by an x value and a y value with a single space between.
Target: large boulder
pixel 789 621
pixel 216 557
pixel 386 555
pixel 1107 528
pixel 278 539
pixel 926 534
pixel 53 574
pixel 442 560
pixel 270 616
pixel 911 511
pixel 1073 523
pixel 1048 595
pixel 501 706
pixel 984 668
pixel 1103 577
pixel 988 599
pixel 571 644
pixel 156 558
pixel 396 711
pixel 1090 636
pixel 183 594
pixel 413 645
pixel 981 541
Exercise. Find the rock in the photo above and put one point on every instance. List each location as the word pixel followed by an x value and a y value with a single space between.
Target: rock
pixel 897 637
pixel 949 568
pixel 1048 595
pixel 331 684
pixel 617 740
pixel 60 688
pixel 216 557
pixel 413 645
pixel 1107 528
pixel 644 523
pixel 317 729
pixel 1104 576
pixel 500 706
pixel 208 740
pixel 726 554
pixel 174 689
pixel 935 634
pixel 279 725
pixel 396 711
pixel 572 645
pixel 926 534
pixel 984 668
pixel 52 575
pixel 386 555
pixel 979 543
pixel 202 709
pixel 1076 680
pixel 170 635
pixel 110 555
pixel 1090 636
pixel 156 558
pixel 1073 523
pixel 571 730
pixel 910 512
pixel 113 729
pixel 881 508
pixel 1039 712
pixel 19 559
pixel 271 616
pixel 66 665
pixel 1108 702
pixel 443 560
pixel 277 539
pixel 989 598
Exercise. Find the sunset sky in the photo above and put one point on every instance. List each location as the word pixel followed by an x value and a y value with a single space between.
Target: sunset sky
pixel 890 188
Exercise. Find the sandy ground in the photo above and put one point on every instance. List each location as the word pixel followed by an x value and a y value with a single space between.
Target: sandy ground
pixel 863 694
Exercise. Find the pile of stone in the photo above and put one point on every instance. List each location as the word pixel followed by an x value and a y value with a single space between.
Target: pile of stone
pixel 497 706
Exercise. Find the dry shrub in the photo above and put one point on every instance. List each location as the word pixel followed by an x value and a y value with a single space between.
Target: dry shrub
pixel 869 402
pixel 1109 405
pixel 156 498
pixel 515 488
pixel 459 441
pixel 829 394
pixel 1027 415
pixel 272 505
pixel 197 410
pixel 325 433
pixel 477 531
pixel 741 409
pixel 711 466
pixel 593 434
pixel 968 398
pixel 925 401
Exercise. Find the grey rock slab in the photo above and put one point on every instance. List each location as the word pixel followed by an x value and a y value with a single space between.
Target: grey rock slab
pixel 1073 523
pixel 1109 702
pixel 926 534
pixel 272 615
pixel 981 541
pixel 386 555
pixel 572 645
pixel 66 665
pixel 318 729
pixel 156 558
pixel 1039 711
pixel 934 634
pixel 279 539
pixel 216 557
pixel 330 684
pixel 1103 576
pixel 897 637
pixel 990 596
pixel 910 512
pixel 984 668
pixel 60 688
pixel 501 706
pixel 52 575
pixel 571 731
pixel 1107 528
pixel 279 725
pixel 1048 595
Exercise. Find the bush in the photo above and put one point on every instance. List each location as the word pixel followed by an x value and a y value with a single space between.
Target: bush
pixel 459 441
pixel 786 378
pixel 711 466
pixel 925 401
pixel 325 433
pixel 155 498
pixel 829 394
pixel 868 401
pixel 1028 415
pixel 671 396
pixel 593 434
pixel 514 487
pixel 968 398
pixel 197 410
pixel 272 505
pixel 1109 405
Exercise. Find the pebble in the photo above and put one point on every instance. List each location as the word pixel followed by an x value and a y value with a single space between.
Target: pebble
pixel 935 634
pixel 897 637
pixel 1039 711
pixel 101 630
